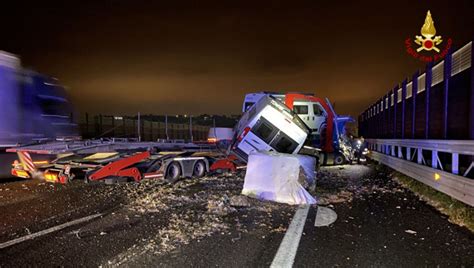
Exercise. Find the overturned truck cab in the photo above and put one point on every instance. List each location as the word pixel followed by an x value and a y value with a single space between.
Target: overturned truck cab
pixel 269 126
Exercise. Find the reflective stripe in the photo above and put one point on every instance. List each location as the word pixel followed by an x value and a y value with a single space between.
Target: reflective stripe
pixel 26 160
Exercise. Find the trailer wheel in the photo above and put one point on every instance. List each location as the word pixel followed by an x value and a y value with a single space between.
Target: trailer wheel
pixel 173 172
pixel 199 169
pixel 338 160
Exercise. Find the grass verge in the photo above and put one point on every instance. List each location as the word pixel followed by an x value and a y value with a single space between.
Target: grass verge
pixel 458 212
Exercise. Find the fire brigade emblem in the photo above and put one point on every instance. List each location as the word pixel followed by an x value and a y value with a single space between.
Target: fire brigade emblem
pixel 428 41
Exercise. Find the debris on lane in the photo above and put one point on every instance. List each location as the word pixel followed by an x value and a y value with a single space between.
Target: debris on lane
pixel 196 209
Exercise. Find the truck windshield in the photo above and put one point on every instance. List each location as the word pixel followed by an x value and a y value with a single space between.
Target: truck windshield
pixel 318 110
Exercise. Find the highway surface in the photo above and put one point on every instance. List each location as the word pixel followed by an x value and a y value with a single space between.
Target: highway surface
pixel 196 223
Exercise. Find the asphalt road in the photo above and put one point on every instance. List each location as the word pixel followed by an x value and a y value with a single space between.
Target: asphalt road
pixel 192 223
pixel 6 159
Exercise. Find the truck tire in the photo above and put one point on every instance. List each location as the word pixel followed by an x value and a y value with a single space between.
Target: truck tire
pixel 338 159
pixel 173 172
pixel 199 169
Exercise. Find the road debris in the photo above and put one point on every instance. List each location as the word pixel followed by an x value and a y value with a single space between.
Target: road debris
pixel 219 207
pixel 194 209
pixel 239 201
pixel 325 217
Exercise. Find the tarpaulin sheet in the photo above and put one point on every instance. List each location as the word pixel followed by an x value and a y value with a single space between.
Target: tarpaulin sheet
pixel 279 177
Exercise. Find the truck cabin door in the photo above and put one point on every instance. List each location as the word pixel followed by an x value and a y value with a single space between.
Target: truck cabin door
pixel 319 117
pixel 302 109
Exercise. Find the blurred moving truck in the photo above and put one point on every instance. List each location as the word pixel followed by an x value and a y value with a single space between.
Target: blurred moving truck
pixel 269 125
pixel 32 106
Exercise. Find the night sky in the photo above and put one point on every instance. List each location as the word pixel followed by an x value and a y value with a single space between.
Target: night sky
pixel 187 58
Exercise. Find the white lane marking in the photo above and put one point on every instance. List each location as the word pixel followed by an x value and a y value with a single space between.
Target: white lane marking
pixel 47 231
pixel 286 253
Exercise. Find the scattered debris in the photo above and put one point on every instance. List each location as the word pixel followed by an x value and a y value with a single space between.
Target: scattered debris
pixel 236 238
pixel 195 209
pixel 239 201
pixel 219 207
pixel 410 232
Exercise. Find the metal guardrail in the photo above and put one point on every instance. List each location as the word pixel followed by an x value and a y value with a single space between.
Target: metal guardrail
pixel 406 156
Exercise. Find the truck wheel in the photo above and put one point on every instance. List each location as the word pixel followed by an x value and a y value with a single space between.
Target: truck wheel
pixel 338 160
pixel 199 169
pixel 173 172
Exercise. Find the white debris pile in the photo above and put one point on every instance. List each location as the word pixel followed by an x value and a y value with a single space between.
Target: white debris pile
pixel 280 177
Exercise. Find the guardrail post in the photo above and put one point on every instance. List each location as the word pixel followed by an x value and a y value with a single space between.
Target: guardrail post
pixel 419 156
pixel 446 76
pixel 389 115
pixel 434 159
pixel 408 156
pixel 455 163
pixel 395 101
pixel 414 92
pixel 400 154
pixel 392 148
pixel 404 95
pixel 384 116
pixel 371 123
pixel 428 78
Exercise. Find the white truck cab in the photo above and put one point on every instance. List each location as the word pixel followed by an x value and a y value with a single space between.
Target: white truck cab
pixel 312 114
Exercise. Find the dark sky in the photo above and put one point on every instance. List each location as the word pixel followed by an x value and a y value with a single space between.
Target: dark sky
pixel 182 57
